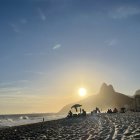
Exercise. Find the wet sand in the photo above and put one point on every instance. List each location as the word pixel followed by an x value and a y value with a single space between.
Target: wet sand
pixel 120 126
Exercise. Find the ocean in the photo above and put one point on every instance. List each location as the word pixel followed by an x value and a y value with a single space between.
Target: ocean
pixel 21 119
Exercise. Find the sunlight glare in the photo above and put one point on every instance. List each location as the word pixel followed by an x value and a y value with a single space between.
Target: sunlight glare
pixel 82 91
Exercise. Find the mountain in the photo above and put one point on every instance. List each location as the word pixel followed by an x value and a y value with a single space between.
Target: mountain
pixel 106 98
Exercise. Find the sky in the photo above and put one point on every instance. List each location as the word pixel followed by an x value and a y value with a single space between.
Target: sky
pixel 51 48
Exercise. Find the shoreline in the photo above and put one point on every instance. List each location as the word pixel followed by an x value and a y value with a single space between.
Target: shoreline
pixel 17 120
pixel 97 126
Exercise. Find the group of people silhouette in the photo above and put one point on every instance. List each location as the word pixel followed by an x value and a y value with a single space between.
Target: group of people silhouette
pixel 81 114
pixel 115 110
pixel 96 110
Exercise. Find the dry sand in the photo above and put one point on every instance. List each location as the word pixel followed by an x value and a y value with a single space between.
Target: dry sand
pixel 96 127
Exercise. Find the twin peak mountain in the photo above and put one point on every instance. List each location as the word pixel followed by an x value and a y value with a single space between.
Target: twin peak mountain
pixel 106 98
pixel 106 89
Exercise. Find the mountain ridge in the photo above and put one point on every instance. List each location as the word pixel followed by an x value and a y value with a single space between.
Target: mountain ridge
pixel 106 98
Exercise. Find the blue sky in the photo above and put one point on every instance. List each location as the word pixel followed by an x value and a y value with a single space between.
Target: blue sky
pixel 50 48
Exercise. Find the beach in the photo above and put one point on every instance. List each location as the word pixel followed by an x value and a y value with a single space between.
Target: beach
pixel 101 126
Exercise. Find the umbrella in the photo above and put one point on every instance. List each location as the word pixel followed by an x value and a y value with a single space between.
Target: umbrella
pixel 76 106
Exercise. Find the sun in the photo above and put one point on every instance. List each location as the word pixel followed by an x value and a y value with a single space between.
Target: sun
pixel 82 91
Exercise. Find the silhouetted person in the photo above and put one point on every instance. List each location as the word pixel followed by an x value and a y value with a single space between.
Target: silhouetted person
pixel 122 110
pixel 43 119
pixel 97 110
pixel 115 110
pixel 80 110
pixel 109 111
pixel 84 112
pixel 70 114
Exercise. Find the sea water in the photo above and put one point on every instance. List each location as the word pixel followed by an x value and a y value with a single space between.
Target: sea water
pixel 21 119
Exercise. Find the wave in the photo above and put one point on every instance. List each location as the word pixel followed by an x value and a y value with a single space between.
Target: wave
pixel 10 120
pixel 23 117
pixel 15 120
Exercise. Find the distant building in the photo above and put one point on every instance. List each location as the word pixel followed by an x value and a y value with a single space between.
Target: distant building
pixel 137 101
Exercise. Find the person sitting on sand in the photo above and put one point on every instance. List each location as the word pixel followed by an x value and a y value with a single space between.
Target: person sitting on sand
pixel 109 111
pixel 84 113
pixel 115 110
pixel 70 114
pixel 122 110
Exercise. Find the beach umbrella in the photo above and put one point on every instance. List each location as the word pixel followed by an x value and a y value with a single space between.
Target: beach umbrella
pixel 76 106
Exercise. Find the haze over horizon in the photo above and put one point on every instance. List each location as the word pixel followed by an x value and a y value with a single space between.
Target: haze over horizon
pixel 49 49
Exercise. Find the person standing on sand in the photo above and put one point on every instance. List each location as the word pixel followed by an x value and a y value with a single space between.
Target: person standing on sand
pixel 80 110
pixel 43 119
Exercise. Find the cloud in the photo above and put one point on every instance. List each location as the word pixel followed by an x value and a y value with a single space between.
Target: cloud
pixel 111 42
pixel 15 28
pixel 124 12
pixel 34 54
pixel 13 90
pixel 42 15
pixel 12 83
pixel 35 72
pixel 17 96
pixel 57 46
